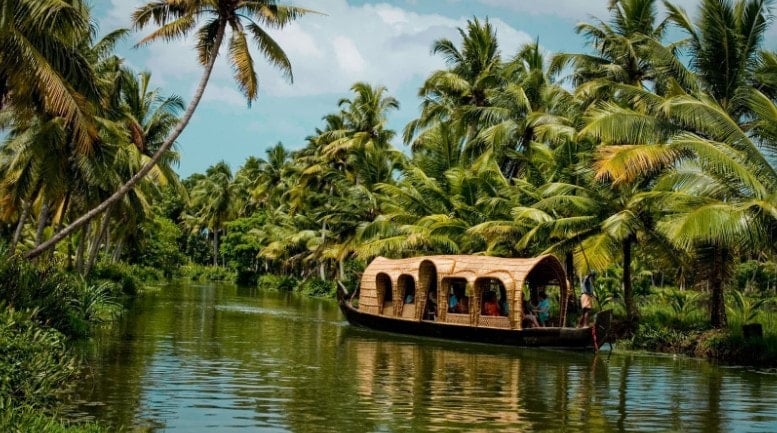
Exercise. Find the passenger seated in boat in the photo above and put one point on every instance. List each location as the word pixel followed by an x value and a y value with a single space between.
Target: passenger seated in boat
pixel 490 306
pixel 529 319
pixel 462 307
pixel 453 302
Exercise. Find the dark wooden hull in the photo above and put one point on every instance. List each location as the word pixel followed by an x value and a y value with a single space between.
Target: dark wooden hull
pixel 568 338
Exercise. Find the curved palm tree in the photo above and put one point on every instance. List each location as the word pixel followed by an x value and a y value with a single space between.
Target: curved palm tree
pixel 177 18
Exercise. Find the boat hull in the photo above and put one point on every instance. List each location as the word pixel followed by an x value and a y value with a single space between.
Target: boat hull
pixel 568 338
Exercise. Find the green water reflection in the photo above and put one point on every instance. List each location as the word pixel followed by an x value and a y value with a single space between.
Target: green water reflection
pixel 204 358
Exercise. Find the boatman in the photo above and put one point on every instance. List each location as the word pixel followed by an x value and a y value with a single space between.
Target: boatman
pixel 586 299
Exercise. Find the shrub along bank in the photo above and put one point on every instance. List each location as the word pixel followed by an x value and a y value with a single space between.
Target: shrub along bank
pixel 673 321
pixel 42 309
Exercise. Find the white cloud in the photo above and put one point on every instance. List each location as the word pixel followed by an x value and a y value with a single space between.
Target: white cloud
pixel 569 9
pixel 575 10
pixel 348 57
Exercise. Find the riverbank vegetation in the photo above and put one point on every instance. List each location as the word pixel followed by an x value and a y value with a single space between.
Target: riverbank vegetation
pixel 651 160
pixel 44 308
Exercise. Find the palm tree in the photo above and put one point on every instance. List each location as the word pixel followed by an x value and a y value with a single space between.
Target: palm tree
pixel 622 47
pixel 455 94
pixel 362 130
pixel 43 69
pixel 212 200
pixel 176 19
pixel 724 47
pixel 271 181
pixel 715 183
pixel 147 116
pixel 710 178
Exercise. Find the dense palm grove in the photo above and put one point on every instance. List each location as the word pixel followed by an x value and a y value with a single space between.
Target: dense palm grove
pixel 652 161
pixel 641 154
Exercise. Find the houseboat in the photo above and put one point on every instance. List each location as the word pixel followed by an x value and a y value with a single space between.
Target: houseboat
pixel 471 298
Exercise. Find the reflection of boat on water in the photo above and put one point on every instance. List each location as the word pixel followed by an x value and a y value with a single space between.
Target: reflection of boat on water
pixel 469 298
pixel 449 386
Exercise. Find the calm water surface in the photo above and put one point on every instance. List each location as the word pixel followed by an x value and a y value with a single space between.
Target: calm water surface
pixel 205 358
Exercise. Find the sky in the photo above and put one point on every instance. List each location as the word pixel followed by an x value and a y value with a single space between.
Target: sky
pixel 386 43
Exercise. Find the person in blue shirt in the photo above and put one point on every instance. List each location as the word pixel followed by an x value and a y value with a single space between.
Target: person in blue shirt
pixel 453 300
pixel 543 308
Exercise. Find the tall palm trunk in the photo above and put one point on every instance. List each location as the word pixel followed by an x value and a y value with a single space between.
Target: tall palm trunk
pixel 628 291
pixel 321 265
pixel 65 211
pixel 152 162
pixel 117 250
pixel 43 218
pixel 215 247
pixel 17 234
pixel 95 247
pixel 718 318
pixel 569 264
pixel 81 248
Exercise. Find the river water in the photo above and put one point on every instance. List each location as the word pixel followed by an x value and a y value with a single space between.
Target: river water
pixel 217 358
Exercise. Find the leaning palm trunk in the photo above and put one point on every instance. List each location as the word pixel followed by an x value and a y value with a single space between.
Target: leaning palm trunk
pixel 124 189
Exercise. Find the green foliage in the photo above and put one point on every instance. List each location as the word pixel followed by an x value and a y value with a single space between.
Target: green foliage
pixel 674 321
pixel 96 303
pixel 241 246
pixel 676 309
pixel 649 336
pixel 25 419
pixel 277 282
pixel 127 277
pixel 756 275
pixel 733 348
pixel 743 309
pixel 63 301
pixel 318 287
pixel 52 292
pixel 608 294
pixel 34 361
pixel 158 246
pixel 197 248
pixel 196 272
